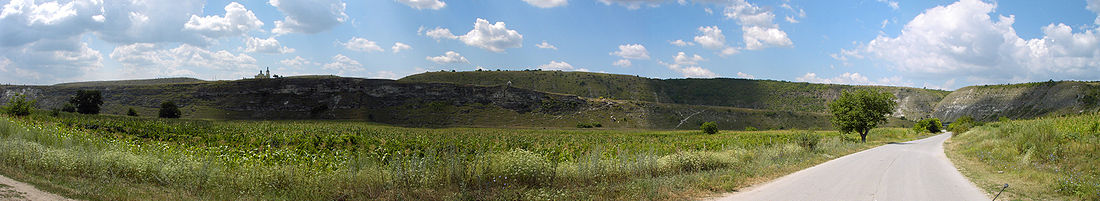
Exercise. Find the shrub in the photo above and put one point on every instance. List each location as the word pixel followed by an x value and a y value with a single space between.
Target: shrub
pixel 69 107
pixel 519 166
pixel 932 125
pixel 589 125
pixel 131 112
pixel 709 127
pixel 169 110
pixel 19 106
pixel 962 124
pixel 808 140
pixel 694 161
pixel 87 101
pixel 750 128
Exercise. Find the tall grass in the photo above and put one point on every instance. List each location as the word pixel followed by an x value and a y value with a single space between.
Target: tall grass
pixel 1055 157
pixel 105 157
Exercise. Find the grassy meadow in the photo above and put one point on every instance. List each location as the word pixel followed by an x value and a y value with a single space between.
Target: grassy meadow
pixel 106 157
pixel 1054 158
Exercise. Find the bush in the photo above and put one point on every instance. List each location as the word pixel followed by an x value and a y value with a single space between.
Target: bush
pixel 519 166
pixel 169 110
pixel 932 125
pixel 808 140
pixel 589 125
pixel 750 128
pixel 131 112
pixel 87 101
pixel 19 106
pixel 962 124
pixel 69 107
pixel 709 127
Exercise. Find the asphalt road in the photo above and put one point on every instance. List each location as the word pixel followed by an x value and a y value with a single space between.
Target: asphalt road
pixel 914 170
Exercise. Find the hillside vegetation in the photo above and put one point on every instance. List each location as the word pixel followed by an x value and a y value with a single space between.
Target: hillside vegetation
pixel 742 93
pixel 412 104
pixel 104 157
pixel 1053 158
pixel 1020 101
pixel 178 80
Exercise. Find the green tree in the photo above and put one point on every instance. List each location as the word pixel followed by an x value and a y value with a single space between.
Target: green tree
pixel 709 127
pixel 861 110
pixel 69 107
pixel 169 110
pixel 87 101
pixel 131 112
pixel 19 106
pixel 932 125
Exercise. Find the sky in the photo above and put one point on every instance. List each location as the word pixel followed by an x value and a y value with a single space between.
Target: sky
pixel 936 44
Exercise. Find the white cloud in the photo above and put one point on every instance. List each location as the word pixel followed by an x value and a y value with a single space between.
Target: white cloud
pixel 632 51
pixel 545 45
pixel 237 21
pixel 745 75
pixel 398 47
pixel 712 38
pixel 39 63
pixel 558 65
pixel 342 64
pixel 547 3
pixel 269 45
pixel 308 16
pixel 757 26
pixel 297 62
pixel 143 59
pixel 493 37
pixel 634 4
pixel 891 3
pixel 791 19
pixel 450 57
pixel 688 66
pixel 361 44
pixel 681 43
pixel 962 40
pixel 622 63
pixel 1094 6
pixel 846 78
pixel 384 75
pixel 424 4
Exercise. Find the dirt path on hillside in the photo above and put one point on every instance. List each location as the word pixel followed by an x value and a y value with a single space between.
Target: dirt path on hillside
pixel 11 189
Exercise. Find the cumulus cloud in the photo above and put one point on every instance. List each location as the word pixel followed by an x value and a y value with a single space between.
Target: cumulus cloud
pixel 757 26
pixel 745 75
pixel 559 65
pixel 308 16
pixel 37 63
pixel 963 40
pixel 237 21
pixel 547 3
pixel 398 47
pixel 712 38
pixel 634 4
pixel 424 4
pixel 545 45
pixel 148 58
pixel 490 36
pixel 681 43
pixel 450 57
pixel 850 78
pixel 361 44
pixel 269 45
pixel 632 51
pixel 342 64
pixel 688 66
pixel 622 63
pixel 297 62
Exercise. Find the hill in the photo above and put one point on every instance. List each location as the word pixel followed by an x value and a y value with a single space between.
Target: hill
pixel 1019 101
pixel 742 93
pixel 177 80
pixel 411 104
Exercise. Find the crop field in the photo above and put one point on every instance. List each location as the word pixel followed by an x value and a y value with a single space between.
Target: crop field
pixel 1043 159
pixel 104 157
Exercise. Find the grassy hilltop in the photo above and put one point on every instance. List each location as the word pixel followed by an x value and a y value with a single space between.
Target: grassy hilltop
pixel 742 93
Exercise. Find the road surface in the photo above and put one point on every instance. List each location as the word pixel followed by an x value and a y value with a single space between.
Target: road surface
pixel 14 190
pixel 914 170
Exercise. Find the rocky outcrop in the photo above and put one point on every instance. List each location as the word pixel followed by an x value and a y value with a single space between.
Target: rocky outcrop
pixel 1029 100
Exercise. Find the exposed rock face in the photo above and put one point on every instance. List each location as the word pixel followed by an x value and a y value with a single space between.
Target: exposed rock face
pixel 988 103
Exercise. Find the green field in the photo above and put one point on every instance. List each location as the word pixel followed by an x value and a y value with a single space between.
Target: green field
pixel 103 157
pixel 1052 158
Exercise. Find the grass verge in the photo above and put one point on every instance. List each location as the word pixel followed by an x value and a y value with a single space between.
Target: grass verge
pixel 128 158
pixel 1042 159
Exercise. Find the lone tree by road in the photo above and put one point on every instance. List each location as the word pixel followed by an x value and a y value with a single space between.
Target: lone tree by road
pixel 861 110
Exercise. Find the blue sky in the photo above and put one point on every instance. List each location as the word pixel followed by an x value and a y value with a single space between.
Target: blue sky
pixel 933 44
